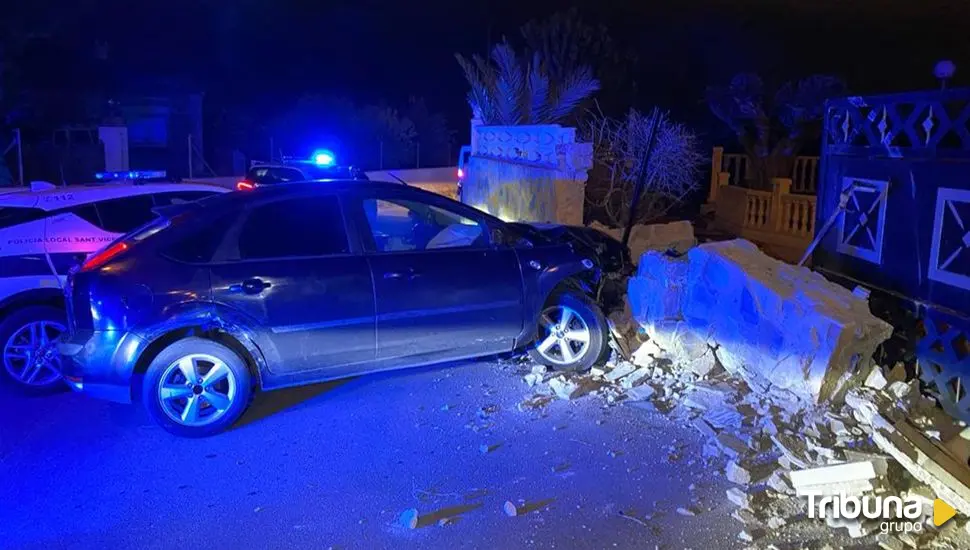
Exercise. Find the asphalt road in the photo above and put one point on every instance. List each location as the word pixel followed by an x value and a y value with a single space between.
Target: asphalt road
pixel 335 465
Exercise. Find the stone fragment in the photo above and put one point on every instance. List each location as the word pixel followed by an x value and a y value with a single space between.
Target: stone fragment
pixel 704 428
pixel 898 390
pixel 620 371
pixel 738 497
pixel 723 417
pixel 775 522
pixel 510 508
pixel 636 377
pixel 745 516
pixel 779 483
pixel 730 445
pixel 793 449
pixel 564 388
pixel 751 535
pixel 840 473
pixel 409 518
pixel 640 393
pixel 746 472
pixel 876 380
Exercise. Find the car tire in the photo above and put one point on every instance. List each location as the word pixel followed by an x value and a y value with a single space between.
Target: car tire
pixel 219 395
pixel 17 331
pixel 584 317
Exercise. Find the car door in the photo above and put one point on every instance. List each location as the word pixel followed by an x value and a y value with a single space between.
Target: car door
pixel 442 289
pixel 289 266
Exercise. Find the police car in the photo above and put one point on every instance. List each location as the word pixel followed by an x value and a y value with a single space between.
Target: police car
pixel 44 231
pixel 321 165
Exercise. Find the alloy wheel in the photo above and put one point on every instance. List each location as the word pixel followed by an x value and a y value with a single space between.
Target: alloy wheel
pixel 564 335
pixel 30 356
pixel 197 390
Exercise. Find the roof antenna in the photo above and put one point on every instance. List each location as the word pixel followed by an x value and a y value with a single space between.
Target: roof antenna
pixel 397 178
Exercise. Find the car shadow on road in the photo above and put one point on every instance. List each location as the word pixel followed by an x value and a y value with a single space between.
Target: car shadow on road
pixel 266 404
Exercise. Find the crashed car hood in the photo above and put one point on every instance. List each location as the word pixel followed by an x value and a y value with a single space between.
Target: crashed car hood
pixel 609 253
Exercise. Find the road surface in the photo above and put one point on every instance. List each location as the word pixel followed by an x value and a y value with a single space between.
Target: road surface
pixel 335 465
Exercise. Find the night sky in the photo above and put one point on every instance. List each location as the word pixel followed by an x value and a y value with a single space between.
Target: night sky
pixel 261 54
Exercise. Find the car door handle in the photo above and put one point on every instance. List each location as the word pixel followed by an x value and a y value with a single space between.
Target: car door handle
pixel 408 274
pixel 250 286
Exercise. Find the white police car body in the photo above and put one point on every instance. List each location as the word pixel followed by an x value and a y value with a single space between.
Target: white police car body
pixel 46 230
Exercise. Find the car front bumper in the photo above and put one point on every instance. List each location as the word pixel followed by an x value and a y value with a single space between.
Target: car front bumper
pixel 101 363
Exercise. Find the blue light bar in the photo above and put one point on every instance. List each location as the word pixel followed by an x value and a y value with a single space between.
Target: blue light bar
pixel 323 157
pixel 130 175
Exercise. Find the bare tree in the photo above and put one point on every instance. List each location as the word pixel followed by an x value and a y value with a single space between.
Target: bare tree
pixel 620 147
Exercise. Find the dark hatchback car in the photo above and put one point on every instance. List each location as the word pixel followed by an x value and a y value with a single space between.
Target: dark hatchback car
pixel 301 283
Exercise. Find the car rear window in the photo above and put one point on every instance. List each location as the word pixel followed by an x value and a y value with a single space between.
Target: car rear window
pixel 13 215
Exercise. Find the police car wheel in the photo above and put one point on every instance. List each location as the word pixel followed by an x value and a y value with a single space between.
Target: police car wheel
pixel 29 336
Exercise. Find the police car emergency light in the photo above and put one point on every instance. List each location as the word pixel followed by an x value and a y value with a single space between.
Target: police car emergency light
pixel 323 157
pixel 130 175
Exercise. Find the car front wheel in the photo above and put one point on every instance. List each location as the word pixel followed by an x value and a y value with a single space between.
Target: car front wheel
pixel 197 387
pixel 30 360
pixel 572 334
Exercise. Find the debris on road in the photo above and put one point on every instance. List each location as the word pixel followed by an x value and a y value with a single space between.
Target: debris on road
pixel 409 518
pixel 510 508
pixel 772 365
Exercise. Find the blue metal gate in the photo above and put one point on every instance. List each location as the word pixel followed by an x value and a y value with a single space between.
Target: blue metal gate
pixel 900 167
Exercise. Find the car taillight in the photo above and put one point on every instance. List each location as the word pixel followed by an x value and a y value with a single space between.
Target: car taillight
pixel 104 256
pixel 245 186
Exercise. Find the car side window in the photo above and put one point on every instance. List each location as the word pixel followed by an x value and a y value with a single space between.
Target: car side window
pixel 180 197
pixel 124 214
pixel 200 245
pixel 305 226
pixel 400 225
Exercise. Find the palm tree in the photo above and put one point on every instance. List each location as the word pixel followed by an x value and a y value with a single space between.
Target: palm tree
pixel 772 128
pixel 512 90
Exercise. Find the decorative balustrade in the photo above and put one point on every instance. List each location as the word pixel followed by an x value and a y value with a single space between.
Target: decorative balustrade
pixel 804 172
pixel 757 209
pixel 797 216
pixel 782 222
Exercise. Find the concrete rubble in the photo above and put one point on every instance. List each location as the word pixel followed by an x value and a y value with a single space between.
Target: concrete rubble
pixel 675 236
pixel 772 366
pixel 777 326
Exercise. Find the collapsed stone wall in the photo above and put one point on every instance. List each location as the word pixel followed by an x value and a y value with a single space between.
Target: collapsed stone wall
pixel 777 326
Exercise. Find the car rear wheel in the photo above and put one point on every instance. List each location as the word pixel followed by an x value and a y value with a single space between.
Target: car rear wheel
pixel 30 359
pixel 197 387
pixel 572 334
